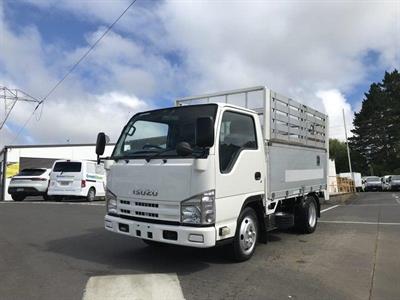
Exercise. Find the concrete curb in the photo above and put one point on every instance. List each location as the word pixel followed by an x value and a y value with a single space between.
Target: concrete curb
pixel 341 198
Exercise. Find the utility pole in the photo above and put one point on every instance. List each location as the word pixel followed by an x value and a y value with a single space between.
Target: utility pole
pixel 348 151
pixel 10 97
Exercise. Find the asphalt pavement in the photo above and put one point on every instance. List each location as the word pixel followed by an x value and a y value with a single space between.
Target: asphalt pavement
pixel 61 251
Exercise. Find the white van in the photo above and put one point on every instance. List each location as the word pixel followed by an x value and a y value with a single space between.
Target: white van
pixel 76 178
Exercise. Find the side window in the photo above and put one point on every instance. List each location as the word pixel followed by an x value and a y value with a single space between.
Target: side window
pixel 237 133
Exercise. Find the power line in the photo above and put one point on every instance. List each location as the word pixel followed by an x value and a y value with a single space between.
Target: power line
pixel 73 68
pixel 87 52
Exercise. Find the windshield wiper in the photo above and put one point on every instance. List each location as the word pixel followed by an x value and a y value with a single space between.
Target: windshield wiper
pixel 157 154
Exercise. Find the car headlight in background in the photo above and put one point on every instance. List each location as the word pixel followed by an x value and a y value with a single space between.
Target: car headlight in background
pixel 111 202
pixel 199 209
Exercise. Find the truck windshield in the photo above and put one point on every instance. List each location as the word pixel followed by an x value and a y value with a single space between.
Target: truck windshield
pixel 161 130
pixel 67 166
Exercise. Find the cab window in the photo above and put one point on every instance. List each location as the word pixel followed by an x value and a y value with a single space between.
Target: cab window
pixel 237 133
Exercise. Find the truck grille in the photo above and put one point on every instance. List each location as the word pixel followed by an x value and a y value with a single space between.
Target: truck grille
pixel 160 210
pixel 146 214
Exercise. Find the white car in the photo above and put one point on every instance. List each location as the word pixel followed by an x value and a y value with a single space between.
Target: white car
pixel 29 182
pixel 76 178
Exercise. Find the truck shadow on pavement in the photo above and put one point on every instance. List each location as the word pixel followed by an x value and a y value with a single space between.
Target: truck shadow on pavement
pixel 120 253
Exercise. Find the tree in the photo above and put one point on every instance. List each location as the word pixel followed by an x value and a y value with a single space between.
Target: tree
pixel 377 127
pixel 338 152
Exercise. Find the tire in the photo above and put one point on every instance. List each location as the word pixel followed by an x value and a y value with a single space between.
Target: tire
pixel 18 197
pixel 91 195
pixel 153 243
pixel 46 197
pixel 247 231
pixel 305 218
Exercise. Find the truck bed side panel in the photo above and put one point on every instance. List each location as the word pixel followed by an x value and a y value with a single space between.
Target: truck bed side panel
pixel 295 169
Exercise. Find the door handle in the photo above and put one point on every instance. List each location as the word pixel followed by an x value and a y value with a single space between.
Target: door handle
pixel 257 175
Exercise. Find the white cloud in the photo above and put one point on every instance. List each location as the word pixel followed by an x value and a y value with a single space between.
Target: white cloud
pixel 335 103
pixel 308 51
pixel 79 122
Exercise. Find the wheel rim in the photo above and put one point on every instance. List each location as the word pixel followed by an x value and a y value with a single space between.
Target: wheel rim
pixel 312 214
pixel 248 235
pixel 91 194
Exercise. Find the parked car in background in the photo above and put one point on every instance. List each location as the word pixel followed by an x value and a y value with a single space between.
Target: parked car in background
pixel 29 182
pixel 391 183
pixel 371 183
pixel 76 178
pixel 385 183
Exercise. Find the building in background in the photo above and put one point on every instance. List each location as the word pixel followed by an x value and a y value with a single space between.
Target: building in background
pixel 15 158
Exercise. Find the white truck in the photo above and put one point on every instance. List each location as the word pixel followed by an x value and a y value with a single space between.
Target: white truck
pixel 219 168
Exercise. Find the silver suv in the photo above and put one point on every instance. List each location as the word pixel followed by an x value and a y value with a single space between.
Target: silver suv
pixel 29 182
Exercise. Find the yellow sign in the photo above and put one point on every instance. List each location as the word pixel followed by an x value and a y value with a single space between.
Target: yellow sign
pixel 12 169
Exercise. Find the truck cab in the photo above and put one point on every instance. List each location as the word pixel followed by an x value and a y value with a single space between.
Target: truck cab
pixel 200 175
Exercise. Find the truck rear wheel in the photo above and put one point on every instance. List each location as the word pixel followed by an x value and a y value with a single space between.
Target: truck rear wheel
pixel 18 197
pixel 245 240
pixel 305 217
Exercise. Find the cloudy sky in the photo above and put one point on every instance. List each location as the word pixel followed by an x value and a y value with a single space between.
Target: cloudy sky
pixel 325 54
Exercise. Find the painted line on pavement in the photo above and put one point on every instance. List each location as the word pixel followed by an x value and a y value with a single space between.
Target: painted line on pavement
pixel 357 222
pixel 397 198
pixel 52 203
pixel 329 208
pixel 134 287
pixel 380 205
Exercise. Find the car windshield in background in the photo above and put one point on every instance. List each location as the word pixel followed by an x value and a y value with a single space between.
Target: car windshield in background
pixel 161 130
pixel 396 177
pixel 67 167
pixel 31 172
pixel 373 179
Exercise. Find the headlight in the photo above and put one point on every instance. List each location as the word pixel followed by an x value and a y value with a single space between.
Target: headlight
pixel 111 202
pixel 199 209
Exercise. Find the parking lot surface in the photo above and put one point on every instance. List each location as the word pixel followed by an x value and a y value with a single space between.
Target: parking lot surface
pixel 61 251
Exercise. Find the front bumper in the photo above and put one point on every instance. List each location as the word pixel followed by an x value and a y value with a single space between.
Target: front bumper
pixel 205 237
pixel 373 188
pixel 394 187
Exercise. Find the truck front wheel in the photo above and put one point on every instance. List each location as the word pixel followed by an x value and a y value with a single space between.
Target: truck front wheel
pixel 246 235
pixel 306 215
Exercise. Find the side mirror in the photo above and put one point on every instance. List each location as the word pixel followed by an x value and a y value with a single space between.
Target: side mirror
pixel 183 149
pixel 102 140
pixel 204 132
